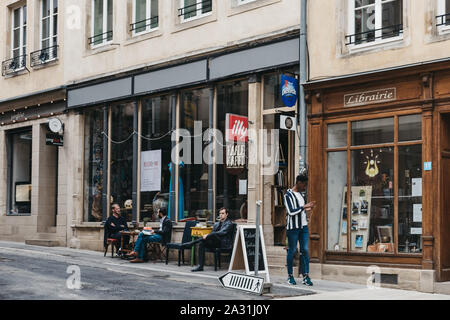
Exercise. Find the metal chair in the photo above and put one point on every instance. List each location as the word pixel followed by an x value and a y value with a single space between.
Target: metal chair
pixel 181 246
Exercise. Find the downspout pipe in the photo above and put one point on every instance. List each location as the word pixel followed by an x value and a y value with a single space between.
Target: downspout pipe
pixel 303 79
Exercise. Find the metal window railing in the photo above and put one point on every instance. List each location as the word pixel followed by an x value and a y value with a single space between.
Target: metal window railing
pixel 100 38
pixel 43 56
pixel 206 6
pixel 372 35
pixel 443 20
pixel 14 65
pixel 143 24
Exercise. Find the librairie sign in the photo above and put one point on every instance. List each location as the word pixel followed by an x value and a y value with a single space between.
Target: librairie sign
pixel 370 97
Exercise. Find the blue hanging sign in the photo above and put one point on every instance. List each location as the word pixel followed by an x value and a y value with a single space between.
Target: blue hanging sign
pixel 289 89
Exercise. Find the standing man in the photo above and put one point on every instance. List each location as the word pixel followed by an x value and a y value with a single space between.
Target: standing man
pixel 163 235
pixel 220 237
pixel 114 224
pixel 297 228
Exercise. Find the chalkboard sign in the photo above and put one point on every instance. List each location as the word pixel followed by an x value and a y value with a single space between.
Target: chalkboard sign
pixel 250 248
pixel 243 256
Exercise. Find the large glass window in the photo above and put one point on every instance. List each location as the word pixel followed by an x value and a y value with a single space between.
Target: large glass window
pixel 94 167
pixel 374 20
pixel 102 22
pixel 231 181
pixel 385 182
pixel 145 16
pixel 194 174
pixel 121 175
pixel 155 153
pixel 272 88
pixel 19 147
pixel 19 37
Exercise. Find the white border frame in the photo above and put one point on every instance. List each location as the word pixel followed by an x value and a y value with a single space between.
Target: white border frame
pixel 198 15
pixel 21 27
pixel 105 22
pixel 441 9
pixel 148 15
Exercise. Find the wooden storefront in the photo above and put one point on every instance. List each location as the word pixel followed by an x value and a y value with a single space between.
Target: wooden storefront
pixel 395 124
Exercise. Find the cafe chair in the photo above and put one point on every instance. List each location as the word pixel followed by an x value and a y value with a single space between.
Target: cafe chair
pixel 181 246
pixel 114 244
pixel 219 251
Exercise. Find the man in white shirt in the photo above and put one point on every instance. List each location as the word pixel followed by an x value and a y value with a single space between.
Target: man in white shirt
pixel 297 228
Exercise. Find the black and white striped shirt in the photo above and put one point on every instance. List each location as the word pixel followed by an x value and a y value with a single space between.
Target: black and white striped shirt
pixel 296 215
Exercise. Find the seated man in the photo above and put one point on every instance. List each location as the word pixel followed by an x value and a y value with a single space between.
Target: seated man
pixel 162 235
pixel 220 237
pixel 114 224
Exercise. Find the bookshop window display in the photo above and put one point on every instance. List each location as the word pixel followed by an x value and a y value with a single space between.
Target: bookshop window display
pixel 384 201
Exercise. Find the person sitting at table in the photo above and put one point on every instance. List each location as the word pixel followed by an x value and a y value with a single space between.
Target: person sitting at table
pixel 162 235
pixel 220 237
pixel 114 224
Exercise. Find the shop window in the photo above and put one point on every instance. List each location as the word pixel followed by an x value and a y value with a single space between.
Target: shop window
pixel 272 88
pixel 410 128
pixel 19 153
pixel 121 162
pixel 374 21
pixel 443 16
pixel 94 166
pixel 193 193
pixel 373 131
pixel 371 211
pixel 155 154
pixel 337 200
pixel 194 9
pixel 337 135
pixel 102 22
pixel 385 182
pixel 145 16
pixel 410 199
pixel 232 175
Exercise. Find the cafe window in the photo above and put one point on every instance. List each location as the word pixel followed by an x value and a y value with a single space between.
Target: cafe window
pixel 373 21
pixel 232 173
pixel 364 220
pixel 94 166
pixel 102 22
pixel 156 117
pixel 19 155
pixel 145 16
pixel 193 189
pixel 121 162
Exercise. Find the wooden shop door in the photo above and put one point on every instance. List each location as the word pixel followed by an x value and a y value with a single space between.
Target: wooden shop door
pixel 445 196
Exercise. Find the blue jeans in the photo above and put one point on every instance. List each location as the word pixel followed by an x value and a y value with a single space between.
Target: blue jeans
pixel 301 236
pixel 142 240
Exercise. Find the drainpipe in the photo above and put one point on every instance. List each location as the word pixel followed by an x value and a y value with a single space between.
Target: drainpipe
pixel 302 104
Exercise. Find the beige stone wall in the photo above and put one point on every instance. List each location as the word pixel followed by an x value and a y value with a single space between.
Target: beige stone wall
pixel 329 56
pixel 34 79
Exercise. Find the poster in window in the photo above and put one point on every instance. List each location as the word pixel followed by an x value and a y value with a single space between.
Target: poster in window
pixel 151 171
pixel 416 187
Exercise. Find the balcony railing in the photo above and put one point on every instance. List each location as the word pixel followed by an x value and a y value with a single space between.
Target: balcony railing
pixel 373 35
pixel 14 65
pixel 206 6
pixel 101 38
pixel 443 20
pixel 43 56
pixel 143 24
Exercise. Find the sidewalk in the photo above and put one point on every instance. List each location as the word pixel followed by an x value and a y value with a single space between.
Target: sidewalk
pixel 322 289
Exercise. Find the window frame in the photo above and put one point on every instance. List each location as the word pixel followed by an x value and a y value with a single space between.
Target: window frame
pixel 198 13
pixel 22 34
pixel 51 38
pixel 242 2
pixel 378 25
pixel 348 148
pixel 105 24
pixel 442 10
pixel 148 16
